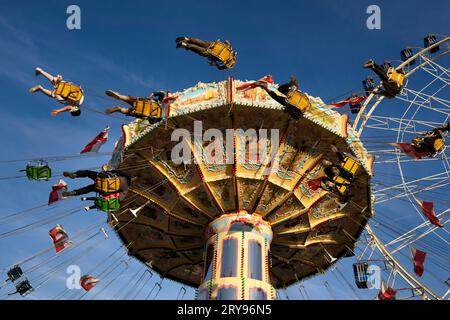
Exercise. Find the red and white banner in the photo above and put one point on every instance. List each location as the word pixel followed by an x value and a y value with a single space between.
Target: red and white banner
pixel 253 84
pixel 351 101
pixel 408 149
pixel 386 293
pixel 60 238
pixel 418 260
pixel 87 282
pixel 97 142
pixel 56 193
pixel 428 211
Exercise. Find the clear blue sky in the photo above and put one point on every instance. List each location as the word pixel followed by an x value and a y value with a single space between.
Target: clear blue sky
pixel 129 46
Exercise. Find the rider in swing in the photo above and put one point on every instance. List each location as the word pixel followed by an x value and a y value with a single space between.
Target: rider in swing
pixel 67 93
pixel 219 54
pixel 143 108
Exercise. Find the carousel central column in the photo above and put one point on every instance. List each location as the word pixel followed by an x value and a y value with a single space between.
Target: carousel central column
pixel 237 259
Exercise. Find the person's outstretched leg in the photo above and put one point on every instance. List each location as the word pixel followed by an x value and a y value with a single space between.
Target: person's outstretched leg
pixel 79 192
pixel 379 70
pixel 443 128
pixel 81 174
pixel 50 77
pixel 43 90
pixel 118 96
pixel 197 49
pixel 117 109
pixel 198 42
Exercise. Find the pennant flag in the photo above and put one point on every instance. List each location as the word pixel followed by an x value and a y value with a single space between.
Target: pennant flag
pixel 97 142
pixel 351 101
pixel 87 282
pixel 56 193
pixel 409 150
pixel 418 260
pixel 386 293
pixel 253 84
pixel 60 238
pixel 314 184
pixel 428 211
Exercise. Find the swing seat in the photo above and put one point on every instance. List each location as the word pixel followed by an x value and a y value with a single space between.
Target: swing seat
pixel 69 91
pixel 14 273
pixel 38 172
pixel 341 184
pixel 298 99
pixel 24 288
pixel 107 183
pixel 439 145
pixel 351 166
pixel 396 76
pixel 143 107
pixel 361 275
pixel 108 204
pixel 430 40
pixel 223 53
pixel 406 54
pixel 368 85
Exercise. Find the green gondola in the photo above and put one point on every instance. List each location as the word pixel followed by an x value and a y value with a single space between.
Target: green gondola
pixel 39 171
pixel 107 204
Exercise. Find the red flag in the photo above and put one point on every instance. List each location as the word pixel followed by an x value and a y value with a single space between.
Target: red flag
pixel 386 294
pixel 419 260
pixel 351 100
pixel 60 238
pixel 87 282
pixel 57 190
pixel 97 142
pixel 428 211
pixel 314 184
pixel 409 150
pixel 253 84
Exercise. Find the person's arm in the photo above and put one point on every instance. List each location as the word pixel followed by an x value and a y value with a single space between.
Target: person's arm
pixel 55 112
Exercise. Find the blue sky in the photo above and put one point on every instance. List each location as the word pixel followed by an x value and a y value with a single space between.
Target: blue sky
pixel 130 47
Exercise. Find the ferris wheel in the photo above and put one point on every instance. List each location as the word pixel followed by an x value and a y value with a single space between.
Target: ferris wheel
pixel 409 184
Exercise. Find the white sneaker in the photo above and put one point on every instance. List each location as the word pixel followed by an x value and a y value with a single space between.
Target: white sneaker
pixel 38 71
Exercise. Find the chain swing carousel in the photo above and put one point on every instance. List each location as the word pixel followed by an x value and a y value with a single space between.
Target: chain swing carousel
pixel 241 229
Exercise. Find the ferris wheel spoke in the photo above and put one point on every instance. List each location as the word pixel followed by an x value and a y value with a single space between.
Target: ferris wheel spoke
pixel 397 124
pixel 442 176
pixel 407 159
pixel 410 236
pixel 412 190
pixel 421 98
pixel 432 65
pixel 425 105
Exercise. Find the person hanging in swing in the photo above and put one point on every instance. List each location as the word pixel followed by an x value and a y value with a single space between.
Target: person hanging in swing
pixel 432 142
pixel 288 95
pixel 150 108
pixel 106 182
pixel 67 93
pixel 340 177
pixel 392 80
pixel 218 53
